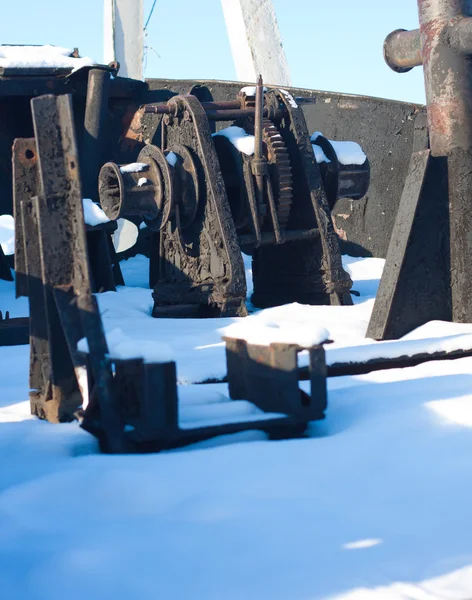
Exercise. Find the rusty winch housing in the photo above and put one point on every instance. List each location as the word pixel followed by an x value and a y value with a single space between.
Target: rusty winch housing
pixel 208 200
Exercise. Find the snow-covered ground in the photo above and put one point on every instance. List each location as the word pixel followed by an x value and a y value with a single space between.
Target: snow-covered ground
pixel 373 504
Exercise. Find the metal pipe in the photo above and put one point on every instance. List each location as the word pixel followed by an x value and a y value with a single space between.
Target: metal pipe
pixel 448 76
pixel 258 162
pixel 460 36
pixel 402 50
pixel 164 109
pixel 96 108
pixel 229 115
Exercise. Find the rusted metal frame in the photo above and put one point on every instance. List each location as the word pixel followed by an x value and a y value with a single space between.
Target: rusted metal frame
pixel 62 240
pixel 254 208
pixel 259 163
pixel 222 292
pixel 25 186
pixel 268 377
pixel 337 281
pixel 415 283
pixel 148 400
pixel 445 31
pixel 96 112
pixel 45 395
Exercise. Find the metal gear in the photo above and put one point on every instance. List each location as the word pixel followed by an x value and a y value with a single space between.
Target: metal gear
pixel 280 170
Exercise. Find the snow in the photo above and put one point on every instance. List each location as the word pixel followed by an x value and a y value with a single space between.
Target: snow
pixel 41 57
pixel 135 167
pixel 260 329
pixel 142 181
pixel 239 138
pixel 7 234
pixel 373 504
pixel 290 98
pixel 250 90
pixel 348 153
pixel 93 214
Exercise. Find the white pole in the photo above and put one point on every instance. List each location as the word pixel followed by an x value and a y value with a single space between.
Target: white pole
pixel 255 41
pixel 124 35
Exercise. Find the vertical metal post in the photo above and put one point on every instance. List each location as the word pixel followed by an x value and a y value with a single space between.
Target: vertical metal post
pixel 448 83
pixel 96 108
pixel 447 75
pixel 445 36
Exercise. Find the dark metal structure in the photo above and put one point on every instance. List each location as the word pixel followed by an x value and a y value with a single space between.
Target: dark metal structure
pixel 132 406
pixel 435 214
pixel 208 200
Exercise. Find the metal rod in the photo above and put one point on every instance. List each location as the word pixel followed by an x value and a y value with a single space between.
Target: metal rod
pixel 402 50
pixel 259 161
pixel 164 109
pixel 268 237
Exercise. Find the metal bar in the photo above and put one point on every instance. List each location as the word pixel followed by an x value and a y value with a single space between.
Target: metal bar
pixel 96 108
pixel 402 50
pixel 164 109
pixel 65 269
pixel 268 237
pixel 221 113
pixel 229 115
pixel 25 186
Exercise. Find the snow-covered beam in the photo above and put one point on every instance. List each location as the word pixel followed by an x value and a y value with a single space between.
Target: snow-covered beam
pixel 124 35
pixel 255 41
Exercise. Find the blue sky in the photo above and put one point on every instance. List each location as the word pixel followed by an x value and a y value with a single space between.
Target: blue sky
pixel 333 45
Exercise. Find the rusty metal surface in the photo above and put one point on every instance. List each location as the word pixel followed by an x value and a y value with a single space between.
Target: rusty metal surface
pixel 402 50
pixel 445 28
pixel 95 121
pixel 384 129
pixel 200 261
pixel 268 377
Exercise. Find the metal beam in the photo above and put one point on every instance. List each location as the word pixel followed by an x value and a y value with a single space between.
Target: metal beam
pixel 255 41
pixel 124 35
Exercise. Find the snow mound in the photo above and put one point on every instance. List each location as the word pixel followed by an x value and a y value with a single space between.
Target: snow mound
pixel 122 346
pixel 24 57
pixel 239 138
pixel 291 327
pixel 93 213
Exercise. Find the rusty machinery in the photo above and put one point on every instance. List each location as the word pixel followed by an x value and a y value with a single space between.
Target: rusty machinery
pixel 208 201
pixel 428 270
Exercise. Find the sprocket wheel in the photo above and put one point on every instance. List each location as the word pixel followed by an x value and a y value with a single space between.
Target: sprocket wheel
pixel 280 170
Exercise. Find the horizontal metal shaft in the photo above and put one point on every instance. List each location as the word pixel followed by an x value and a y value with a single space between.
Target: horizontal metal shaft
pixel 402 50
